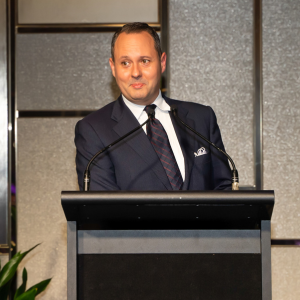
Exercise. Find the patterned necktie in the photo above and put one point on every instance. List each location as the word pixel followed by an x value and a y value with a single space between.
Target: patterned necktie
pixel 160 142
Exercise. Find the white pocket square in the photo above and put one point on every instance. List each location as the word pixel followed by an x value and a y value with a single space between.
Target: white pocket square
pixel 200 152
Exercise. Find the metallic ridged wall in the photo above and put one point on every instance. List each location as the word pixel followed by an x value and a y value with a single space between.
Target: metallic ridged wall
pixel 4 132
pixel 211 63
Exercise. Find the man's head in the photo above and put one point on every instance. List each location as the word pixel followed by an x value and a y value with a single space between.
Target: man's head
pixel 137 62
pixel 136 27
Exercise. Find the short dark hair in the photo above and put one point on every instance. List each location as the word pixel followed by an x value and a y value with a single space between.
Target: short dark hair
pixel 136 27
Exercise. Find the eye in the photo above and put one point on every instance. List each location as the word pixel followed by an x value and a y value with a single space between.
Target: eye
pixel 145 61
pixel 125 63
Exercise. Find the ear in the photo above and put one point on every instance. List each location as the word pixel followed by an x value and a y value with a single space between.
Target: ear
pixel 112 66
pixel 163 62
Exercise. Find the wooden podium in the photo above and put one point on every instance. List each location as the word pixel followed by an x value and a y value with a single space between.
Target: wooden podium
pixel 169 245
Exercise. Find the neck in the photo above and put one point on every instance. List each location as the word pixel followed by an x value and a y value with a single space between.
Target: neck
pixel 143 102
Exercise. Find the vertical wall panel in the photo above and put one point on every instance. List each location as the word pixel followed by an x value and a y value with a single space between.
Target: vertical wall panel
pixel 281 113
pixel 285 273
pixel 211 63
pixel 88 11
pixel 4 258
pixel 281 131
pixel 64 71
pixel 45 167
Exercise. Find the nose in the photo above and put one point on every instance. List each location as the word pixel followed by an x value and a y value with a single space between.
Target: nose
pixel 136 71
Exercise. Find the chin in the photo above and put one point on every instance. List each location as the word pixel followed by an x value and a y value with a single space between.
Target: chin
pixel 138 96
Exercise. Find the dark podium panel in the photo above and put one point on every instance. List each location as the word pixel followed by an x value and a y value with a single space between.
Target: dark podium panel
pixel 169 276
pixel 169 245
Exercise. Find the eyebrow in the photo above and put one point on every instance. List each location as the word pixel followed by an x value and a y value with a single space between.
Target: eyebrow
pixel 128 57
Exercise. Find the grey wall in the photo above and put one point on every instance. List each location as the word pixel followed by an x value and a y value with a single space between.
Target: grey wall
pixel 45 167
pixel 4 258
pixel 281 131
pixel 281 112
pixel 54 72
pixel 211 63
pixel 64 71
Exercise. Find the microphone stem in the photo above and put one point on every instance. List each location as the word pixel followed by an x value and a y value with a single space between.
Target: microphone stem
pixel 235 176
pixel 86 179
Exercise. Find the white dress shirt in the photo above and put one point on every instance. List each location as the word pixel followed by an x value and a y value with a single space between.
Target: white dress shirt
pixel 161 114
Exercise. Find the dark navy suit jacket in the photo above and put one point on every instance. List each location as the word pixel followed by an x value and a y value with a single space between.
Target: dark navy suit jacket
pixel 133 163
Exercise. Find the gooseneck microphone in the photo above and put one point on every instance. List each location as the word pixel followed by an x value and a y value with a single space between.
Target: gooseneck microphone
pixel 86 179
pixel 234 172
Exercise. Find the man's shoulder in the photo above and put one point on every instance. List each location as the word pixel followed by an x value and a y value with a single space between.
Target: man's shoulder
pixel 192 107
pixel 100 116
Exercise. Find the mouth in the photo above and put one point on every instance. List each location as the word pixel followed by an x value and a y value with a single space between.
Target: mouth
pixel 137 85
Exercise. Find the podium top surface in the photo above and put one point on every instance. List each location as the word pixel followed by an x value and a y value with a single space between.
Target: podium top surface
pixel 168 197
pixel 167 205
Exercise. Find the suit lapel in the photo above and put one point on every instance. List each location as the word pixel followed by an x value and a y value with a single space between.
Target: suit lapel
pixel 138 141
pixel 186 139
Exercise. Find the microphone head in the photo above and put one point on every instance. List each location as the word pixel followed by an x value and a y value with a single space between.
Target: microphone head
pixel 174 109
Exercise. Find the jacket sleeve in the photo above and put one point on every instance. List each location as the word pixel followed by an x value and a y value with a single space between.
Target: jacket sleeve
pixel 221 173
pixel 102 172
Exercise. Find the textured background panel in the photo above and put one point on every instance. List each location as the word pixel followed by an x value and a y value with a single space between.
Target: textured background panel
pixel 87 11
pixel 285 273
pixel 211 63
pixel 46 166
pixel 281 113
pixel 64 71
pixel 4 259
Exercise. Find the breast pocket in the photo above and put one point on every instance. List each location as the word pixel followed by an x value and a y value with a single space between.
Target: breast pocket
pixel 202 155
pixel 203 159
pixel 202 169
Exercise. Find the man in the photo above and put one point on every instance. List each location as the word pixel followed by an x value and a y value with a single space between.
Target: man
pixel 164 155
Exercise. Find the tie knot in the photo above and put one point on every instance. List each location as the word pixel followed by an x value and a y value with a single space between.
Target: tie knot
pixel 150 110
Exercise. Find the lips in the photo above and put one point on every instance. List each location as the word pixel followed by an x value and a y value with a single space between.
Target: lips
pixel 137 85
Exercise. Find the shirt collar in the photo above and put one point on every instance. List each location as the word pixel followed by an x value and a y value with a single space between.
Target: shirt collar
pixel 161 103
pixel 137 109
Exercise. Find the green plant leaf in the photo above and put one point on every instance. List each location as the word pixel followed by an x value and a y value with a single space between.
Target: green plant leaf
pixel 9 270
pixel 41 286
pixel 4 291
pixel 22 287
pixel 28 295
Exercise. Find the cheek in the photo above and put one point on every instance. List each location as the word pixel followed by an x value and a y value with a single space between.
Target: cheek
pixel 122 76
pixel 152 74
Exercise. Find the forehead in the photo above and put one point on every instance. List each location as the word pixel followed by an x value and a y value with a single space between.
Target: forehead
pixel 134 44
